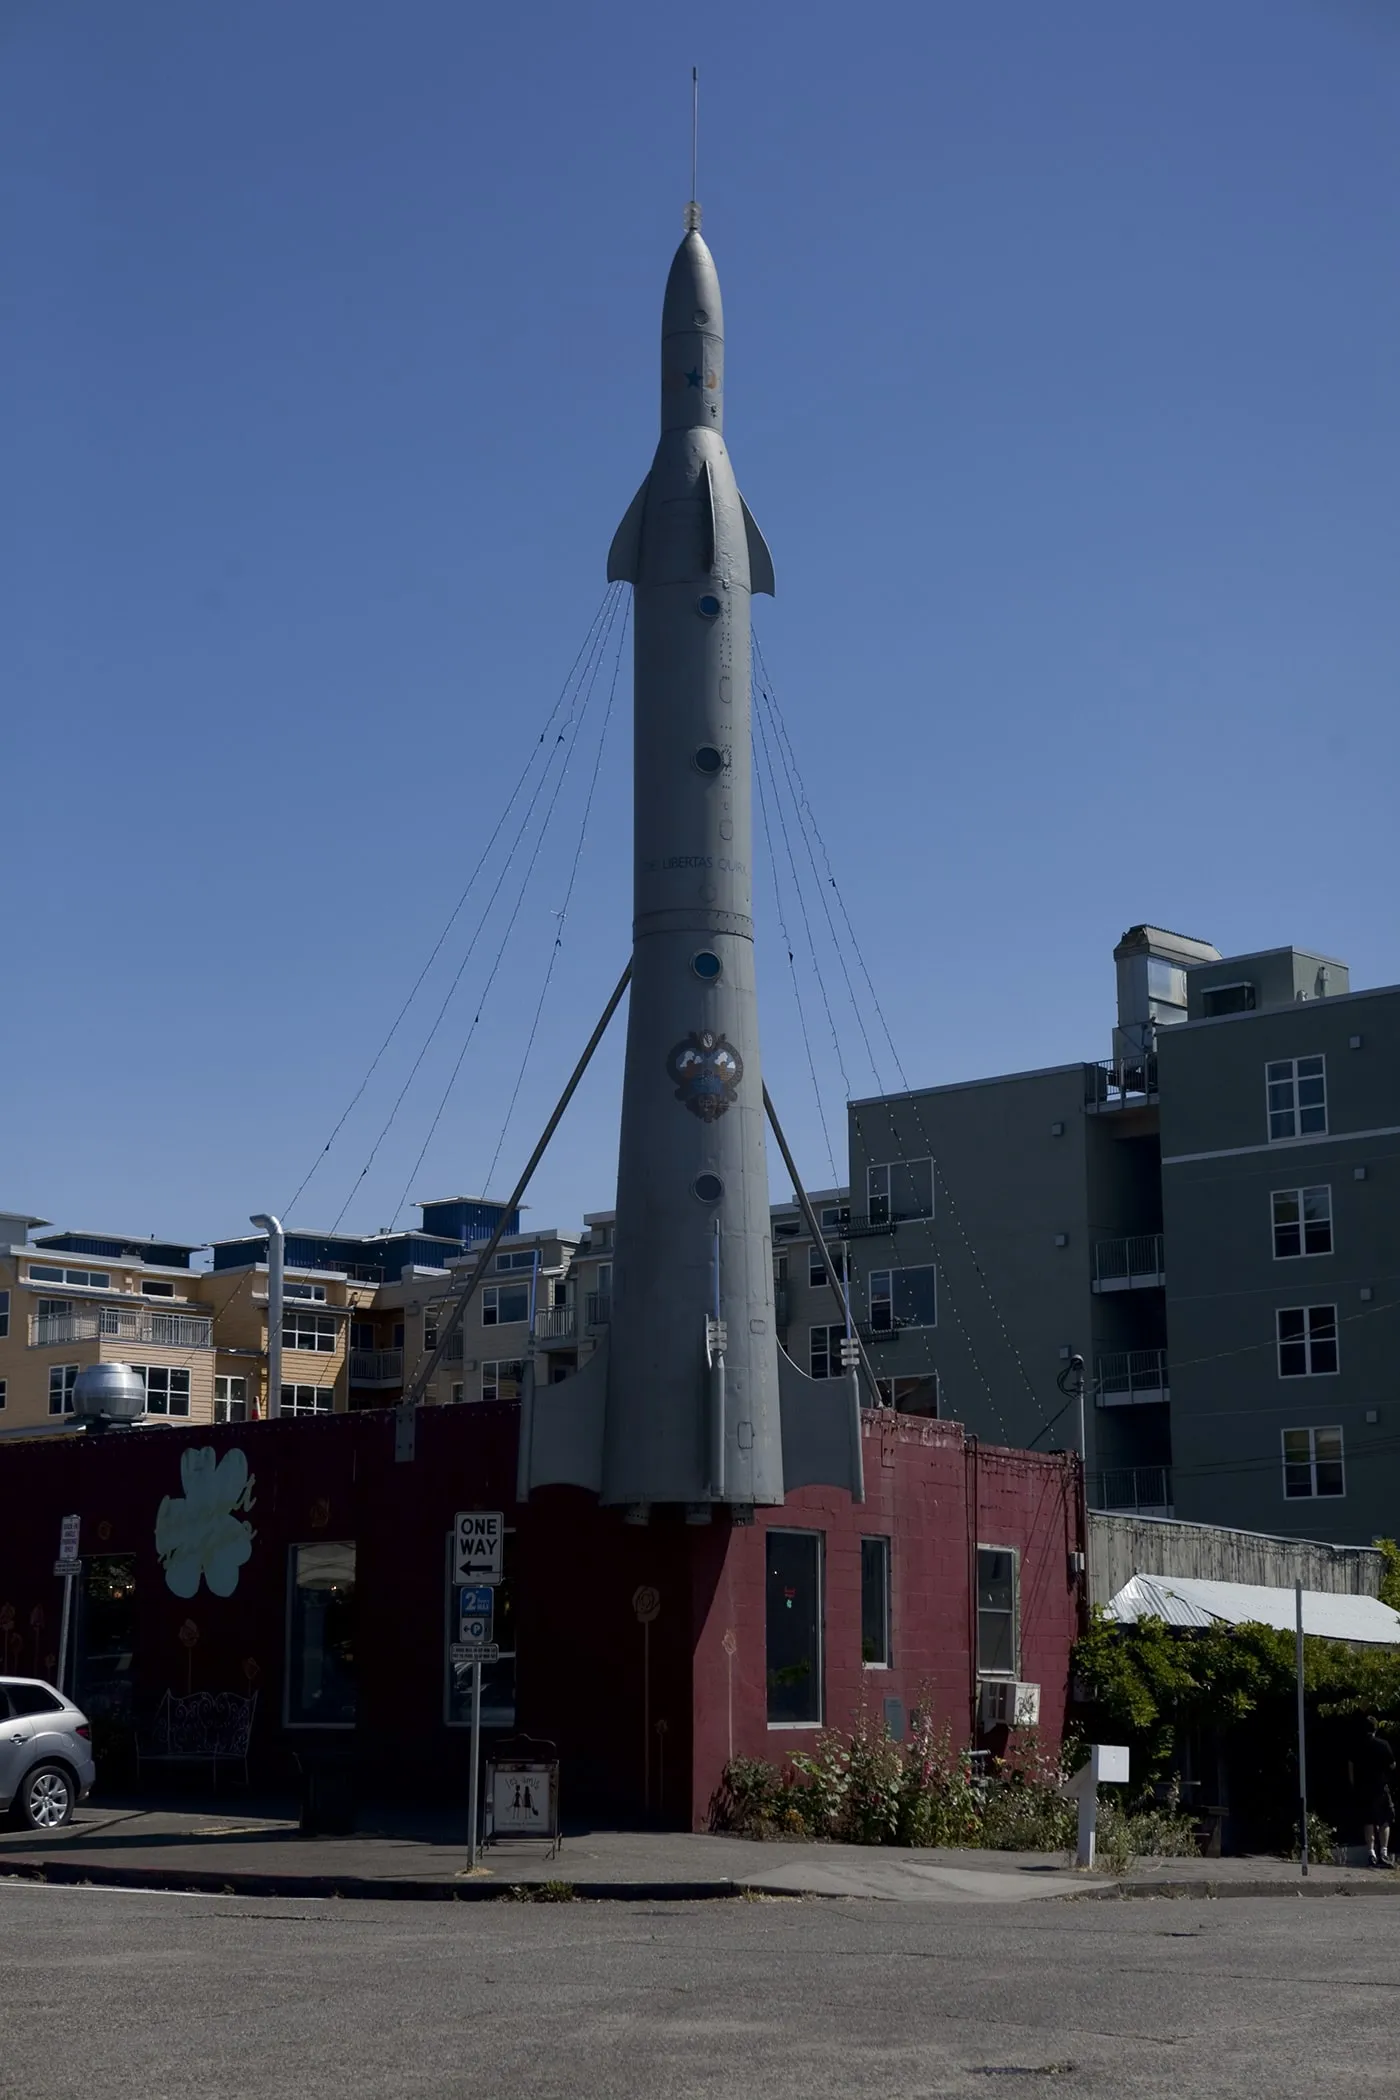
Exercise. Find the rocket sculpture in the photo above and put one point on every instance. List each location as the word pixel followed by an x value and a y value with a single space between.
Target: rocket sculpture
pixel 691 1400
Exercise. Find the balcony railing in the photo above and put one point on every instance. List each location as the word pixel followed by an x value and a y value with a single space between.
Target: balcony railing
pixel 556 1323
pixel 1132 1378
pixel 133 1324
pixel 1129 1265
pixel 1130 1489
pixel 862 1225
pixel 1121 1082
pixel 598 1308
pixel 376 1367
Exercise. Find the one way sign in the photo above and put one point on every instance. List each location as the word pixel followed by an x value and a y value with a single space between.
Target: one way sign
pixel 480 1537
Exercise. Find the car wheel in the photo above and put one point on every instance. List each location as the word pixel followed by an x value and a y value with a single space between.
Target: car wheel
pixel 47 1798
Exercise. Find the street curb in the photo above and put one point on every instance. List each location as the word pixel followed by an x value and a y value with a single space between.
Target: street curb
pixel 195 1881
pixel 1132 1890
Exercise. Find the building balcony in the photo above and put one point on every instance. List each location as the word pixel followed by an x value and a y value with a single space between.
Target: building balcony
pixel 597 1311
pixel 135 1323
pixel 1135 1264
pixel 1132 1378
pixel 862 1225
pixel 1132 1491
pixel 1117 1082
pixel 555 1324
pixel 376 1367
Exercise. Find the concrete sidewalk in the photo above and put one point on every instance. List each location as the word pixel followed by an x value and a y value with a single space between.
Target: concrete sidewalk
pixel 267 1855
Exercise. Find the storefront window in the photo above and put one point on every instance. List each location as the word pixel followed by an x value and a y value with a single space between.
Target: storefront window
pixel 321 1636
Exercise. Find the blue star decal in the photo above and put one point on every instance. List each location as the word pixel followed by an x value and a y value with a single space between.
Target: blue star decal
pixel 692 379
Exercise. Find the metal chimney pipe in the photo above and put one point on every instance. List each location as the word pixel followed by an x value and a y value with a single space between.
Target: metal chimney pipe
pixel 276 1251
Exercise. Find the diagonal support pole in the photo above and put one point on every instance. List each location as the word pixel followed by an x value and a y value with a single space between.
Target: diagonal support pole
pixel 462 1298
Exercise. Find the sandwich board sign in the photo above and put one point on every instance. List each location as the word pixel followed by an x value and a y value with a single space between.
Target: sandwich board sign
pixel 478 1544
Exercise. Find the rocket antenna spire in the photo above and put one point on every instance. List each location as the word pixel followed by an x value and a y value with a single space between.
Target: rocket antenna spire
pixel 692 210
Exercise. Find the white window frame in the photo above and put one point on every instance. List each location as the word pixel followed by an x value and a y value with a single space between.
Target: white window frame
pixel 81 1279
pixel 885 1661
pixel 4 1394
pixel 298 1392
pixel 169 1372
pixel 1013 1674
pixel 321 1327
pixel 1287 1072
pixel 1313 1461
pixel 1303 1252
pixel 225 1399
pixel 4 1314
pixel 835 1333
pixel 491 1305
pixel 786 1727
pixel 66 1375
pixel 311 1293
pixel 886 1296
pixel 1307 1341
pixel 493 1368
pixel 519 1262
pixel 887 1167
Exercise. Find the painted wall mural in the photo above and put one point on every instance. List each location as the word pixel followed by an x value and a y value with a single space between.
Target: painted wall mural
pixel 198 1534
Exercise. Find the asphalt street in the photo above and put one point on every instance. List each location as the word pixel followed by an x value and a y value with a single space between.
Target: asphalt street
pixel 111 1993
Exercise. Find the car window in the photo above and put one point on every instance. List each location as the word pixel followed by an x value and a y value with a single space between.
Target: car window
pixel 33 1699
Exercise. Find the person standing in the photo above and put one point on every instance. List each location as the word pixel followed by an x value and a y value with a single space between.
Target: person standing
pixel 1374 1769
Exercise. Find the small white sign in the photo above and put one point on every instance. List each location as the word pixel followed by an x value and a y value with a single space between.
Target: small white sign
pixel 68 1538
pixel 465 1653
pixel 478 1546
pixel 521 1800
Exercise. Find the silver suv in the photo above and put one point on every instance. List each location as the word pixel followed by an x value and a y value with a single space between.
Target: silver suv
pixel 46 1765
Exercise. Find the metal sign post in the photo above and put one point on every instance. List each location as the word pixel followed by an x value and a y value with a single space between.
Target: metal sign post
pixel 69 1567
pixel 477 1557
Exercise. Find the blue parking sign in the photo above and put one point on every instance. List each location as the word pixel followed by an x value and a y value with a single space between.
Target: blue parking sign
pixel 476 1602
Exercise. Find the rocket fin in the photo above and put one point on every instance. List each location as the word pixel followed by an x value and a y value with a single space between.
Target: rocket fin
pixel 561 1429
pixel 625 553
pixel 760 560
pixel 821 1431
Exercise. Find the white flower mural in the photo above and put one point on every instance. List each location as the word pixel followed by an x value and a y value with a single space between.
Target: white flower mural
pixel 197 1533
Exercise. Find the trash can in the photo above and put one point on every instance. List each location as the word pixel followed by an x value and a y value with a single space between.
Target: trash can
pixel 327 1793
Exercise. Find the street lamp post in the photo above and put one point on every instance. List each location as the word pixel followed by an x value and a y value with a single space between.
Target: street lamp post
pixel 276 1251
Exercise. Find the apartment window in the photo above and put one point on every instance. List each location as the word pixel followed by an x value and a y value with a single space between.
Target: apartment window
pixel 903 1298
pixel 459 1394
pixel 901 1188
pixel 911 1396
pixel 54 1308
pixel 157 1290
pixel 793 1608
pixel 1302 1222
pixel 503 1305
pixel 833 1217
pixel 62 1379
pixel 362 1334
pixel 1297 1090
pixel 4 1396
pixel 523 1258
pixel 313 1293
pixel 1307 1341
pixel 430 1330
pixel 816 1267
pixel 824 1347
pixel 4 1314
pixel 321 1636
pixel 230 1399
pixel 501 1381
pixel 86 1279
pixel 875 1603
pixel 780 1268
pixel 1227 999
pixel 998 1631
pixel 308 1330
pixel 1166 981
pixel 167 1389
pixel 308 1400
pixel 1312 1463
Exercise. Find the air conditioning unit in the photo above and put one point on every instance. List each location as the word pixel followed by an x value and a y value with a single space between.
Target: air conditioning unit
pixel 1006 1704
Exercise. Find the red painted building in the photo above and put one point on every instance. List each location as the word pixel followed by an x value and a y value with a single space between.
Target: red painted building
pixel 307 1562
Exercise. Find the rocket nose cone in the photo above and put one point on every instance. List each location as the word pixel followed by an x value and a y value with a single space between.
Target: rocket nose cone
pixel 692 301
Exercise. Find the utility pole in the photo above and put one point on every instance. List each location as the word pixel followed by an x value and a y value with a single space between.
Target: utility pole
pixel 276 1253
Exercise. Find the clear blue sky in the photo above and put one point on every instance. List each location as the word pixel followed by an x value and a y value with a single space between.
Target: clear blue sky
pixel 1062 346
